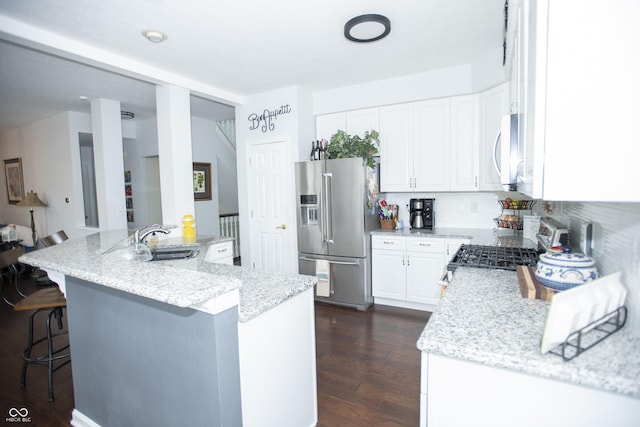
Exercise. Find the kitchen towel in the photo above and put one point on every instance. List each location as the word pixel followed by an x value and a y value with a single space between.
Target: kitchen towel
pixel 323 288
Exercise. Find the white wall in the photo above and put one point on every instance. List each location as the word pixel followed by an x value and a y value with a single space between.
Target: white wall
pixel 483 74
pixel 51 167
pixel 432 84
pixel 455 210
pixel 136 151
pixel 209 147
pixel 488 72
pixel 50 158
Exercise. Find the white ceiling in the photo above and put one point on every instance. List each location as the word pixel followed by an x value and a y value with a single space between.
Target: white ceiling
pixel 223 49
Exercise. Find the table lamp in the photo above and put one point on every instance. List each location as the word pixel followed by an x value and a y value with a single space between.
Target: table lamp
pixel 31 200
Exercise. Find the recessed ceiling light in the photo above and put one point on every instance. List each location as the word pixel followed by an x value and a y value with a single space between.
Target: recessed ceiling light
pixel 154 36
pixel 83 98
pixel 367 28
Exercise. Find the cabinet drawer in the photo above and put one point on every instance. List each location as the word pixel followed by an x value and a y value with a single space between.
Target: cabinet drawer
pixel 388 242
pixel 219 251
pixel 426 245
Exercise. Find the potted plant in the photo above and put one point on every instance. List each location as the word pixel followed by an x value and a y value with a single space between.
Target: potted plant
pixel 344 145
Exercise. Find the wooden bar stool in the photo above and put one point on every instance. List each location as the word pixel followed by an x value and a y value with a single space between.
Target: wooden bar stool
pixel 9 265
pixel 49 300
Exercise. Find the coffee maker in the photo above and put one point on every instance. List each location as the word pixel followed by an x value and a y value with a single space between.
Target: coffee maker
pixel 421 213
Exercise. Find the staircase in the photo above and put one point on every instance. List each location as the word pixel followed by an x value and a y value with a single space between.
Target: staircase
pixel 227 129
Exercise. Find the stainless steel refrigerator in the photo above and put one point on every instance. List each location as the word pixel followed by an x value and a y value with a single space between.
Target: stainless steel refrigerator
pixel 335 212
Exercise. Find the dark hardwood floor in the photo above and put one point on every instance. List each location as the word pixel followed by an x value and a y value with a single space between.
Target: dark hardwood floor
pixel 34 397
pixel 368 366
pixel 367 362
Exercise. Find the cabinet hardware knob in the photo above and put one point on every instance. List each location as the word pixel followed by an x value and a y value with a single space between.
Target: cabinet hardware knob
pixel 282 227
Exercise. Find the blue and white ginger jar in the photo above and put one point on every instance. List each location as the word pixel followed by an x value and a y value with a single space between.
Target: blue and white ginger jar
pixel 562 271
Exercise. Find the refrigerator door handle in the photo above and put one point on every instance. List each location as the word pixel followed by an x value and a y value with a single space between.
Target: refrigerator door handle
pixel 323 210
pixel 328 207
pixel 354 263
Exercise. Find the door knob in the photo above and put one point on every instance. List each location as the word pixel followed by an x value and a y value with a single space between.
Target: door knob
pixel 282 227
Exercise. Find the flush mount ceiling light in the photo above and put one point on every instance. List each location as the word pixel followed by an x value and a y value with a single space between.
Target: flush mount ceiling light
pixel 126 115
pixel 367 28
pixel 154 36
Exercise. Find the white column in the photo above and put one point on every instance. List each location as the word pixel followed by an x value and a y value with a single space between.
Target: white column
pixel 175 154
pixel 109 163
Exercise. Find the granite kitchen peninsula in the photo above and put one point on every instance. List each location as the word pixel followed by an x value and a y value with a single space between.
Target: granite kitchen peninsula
pixel 183 342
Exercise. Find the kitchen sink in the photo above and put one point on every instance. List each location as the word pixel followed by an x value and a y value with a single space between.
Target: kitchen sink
pixel 166 253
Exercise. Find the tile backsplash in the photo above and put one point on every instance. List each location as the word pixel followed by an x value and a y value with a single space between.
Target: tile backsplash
pixel 616 229
pixel 454 210
pixel 616 236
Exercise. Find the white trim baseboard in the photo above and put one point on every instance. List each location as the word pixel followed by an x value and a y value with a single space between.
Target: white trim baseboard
pixel 78 419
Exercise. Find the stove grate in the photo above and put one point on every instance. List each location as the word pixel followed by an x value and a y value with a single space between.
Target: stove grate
pixel 496 257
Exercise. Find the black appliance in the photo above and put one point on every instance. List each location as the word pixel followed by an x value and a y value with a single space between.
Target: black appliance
pixel 421 213
pixel 496 257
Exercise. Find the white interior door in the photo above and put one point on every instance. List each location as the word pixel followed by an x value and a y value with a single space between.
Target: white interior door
pixel 271 197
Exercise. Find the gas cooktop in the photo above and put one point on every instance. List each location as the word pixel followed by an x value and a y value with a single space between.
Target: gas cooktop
pixel 496 257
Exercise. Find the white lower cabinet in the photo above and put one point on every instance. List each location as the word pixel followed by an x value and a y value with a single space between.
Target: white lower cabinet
pixel 406 271
pixel 220 253
pixel 452 247
pixel 496 397
pixel 388 267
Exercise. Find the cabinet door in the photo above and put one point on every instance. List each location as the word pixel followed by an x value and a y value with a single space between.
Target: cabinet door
pixel 329 124
pixel 591 148
pixel 388 274
pixel 452 247
pixel 221 253
pixel 361 121
pixel 494 104
pixel 396 163
pixel 431 145
pixel 424 271
pixel 531 92
pixel 464 143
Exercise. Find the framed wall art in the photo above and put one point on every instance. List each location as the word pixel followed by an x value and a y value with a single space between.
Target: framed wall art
pixel 13 178
pixel 201 181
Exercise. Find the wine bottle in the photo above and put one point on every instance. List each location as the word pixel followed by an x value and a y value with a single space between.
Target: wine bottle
pixel 317 150
pixel 312 155
pixel 320 151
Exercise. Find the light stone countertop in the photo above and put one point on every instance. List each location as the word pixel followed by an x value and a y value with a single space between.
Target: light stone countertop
pixel 483 318
pixel 477 236
pixel 100 258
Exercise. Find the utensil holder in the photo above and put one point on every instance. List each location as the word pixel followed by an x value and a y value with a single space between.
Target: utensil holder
pixel 387 224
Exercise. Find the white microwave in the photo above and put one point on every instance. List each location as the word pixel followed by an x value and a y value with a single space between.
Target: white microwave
pixel 510 156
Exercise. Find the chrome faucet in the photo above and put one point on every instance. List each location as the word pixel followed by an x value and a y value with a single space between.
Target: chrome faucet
pixel 141 233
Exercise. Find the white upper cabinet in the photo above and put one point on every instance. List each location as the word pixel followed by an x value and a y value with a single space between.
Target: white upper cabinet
pixel 329 124
pixel 414 146
pixel 361 121
pixel 464 143
pixel 355 122
pixel 494 104
pixel 431 145
pixel 581 108
pixel 396 148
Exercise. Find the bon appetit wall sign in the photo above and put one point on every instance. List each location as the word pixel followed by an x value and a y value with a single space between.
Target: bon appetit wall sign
pixel 265 121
